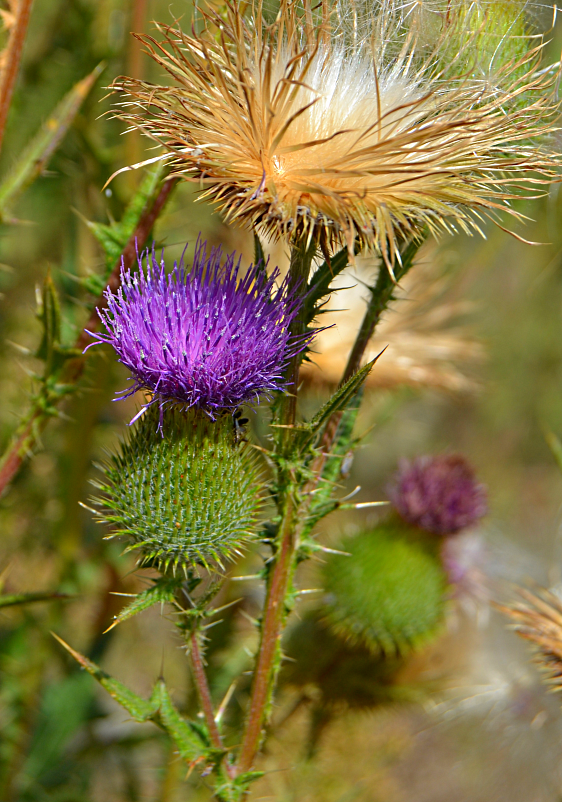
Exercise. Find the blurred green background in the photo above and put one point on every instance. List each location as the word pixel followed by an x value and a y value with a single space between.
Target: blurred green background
pixel 486 731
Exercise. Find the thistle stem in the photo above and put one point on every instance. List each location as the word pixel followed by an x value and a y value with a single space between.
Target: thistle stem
pixel 12 62
pixel 27 433
pixel 203 691
pixel 281 571
pixel 381 296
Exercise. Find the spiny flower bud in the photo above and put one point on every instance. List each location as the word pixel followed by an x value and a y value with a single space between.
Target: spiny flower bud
pixel 205 338
pixel 387 592
pixel 187 493
pixel 439 494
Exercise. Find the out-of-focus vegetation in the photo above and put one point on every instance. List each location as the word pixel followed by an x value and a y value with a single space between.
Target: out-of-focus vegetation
pixel 61 738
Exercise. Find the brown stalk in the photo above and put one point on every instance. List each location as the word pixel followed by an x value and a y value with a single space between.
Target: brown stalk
pixel 12 62
pixel 203 691
pixel 31 427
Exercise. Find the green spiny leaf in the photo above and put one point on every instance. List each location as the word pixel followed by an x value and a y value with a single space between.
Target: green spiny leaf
pixel 320 283
pixel 259 255
pixel 342 397
pixel 113 238
pixel 161 592
pixel 189 738
pixel 35 156
pixel 49 315
pixel 139 708
pixel 14 599
pixel 323 503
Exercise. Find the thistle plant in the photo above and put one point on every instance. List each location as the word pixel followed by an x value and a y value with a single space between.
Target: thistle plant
pixel 336 128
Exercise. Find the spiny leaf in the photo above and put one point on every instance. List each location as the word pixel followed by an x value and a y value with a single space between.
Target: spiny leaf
pixel 49 315
pixel 188 737
pixel 50 350
pixel 320 283
pixel 113 238
pixel 139 708
pixel 33 159
pixel 259 255
pixel 322 503
pixel 161 592
pixel 342 397
pixel 11 600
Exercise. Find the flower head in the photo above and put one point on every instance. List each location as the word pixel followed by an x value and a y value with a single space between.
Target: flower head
pixel 439 494
pixel 363 125
pixel 205 338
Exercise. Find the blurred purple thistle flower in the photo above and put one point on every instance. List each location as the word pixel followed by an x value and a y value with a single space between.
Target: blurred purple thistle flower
pixel 204 338
pixel 439 494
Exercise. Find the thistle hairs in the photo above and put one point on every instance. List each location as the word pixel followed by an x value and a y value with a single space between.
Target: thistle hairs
pixel 365 125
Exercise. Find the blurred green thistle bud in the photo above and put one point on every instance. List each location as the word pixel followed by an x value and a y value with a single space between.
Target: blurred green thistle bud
pixel 185 491
pixel 487 39
pixel 388 593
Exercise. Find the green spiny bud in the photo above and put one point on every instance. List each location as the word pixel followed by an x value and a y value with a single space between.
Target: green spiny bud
pixel 186 491
pixel 388 593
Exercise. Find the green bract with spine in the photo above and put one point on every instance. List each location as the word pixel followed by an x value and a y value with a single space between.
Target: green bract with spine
pixel 388 593
pixel 186 492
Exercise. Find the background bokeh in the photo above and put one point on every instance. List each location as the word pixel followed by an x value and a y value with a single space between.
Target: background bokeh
pixel 485 730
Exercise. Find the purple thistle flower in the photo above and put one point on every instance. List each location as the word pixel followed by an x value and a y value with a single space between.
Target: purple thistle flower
pixel 204 338
pixel 439 494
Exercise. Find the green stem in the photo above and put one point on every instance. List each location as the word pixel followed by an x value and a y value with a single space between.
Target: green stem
pixel 281 570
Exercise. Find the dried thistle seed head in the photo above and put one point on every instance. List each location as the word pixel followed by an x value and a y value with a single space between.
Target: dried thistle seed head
pixel 538 618
pixel 205 338
pixel 428 344
pixel 439 494
pixel 388 593
pixel 346 128
pixel 189 493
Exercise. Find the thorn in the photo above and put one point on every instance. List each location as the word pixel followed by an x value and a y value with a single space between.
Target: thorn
pixel 350 495
pixel 251 619
pixel 244 578
pixel 326 550
pixel 224 704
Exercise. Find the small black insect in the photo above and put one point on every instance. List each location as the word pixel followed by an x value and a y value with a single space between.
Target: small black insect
pixel 239 423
